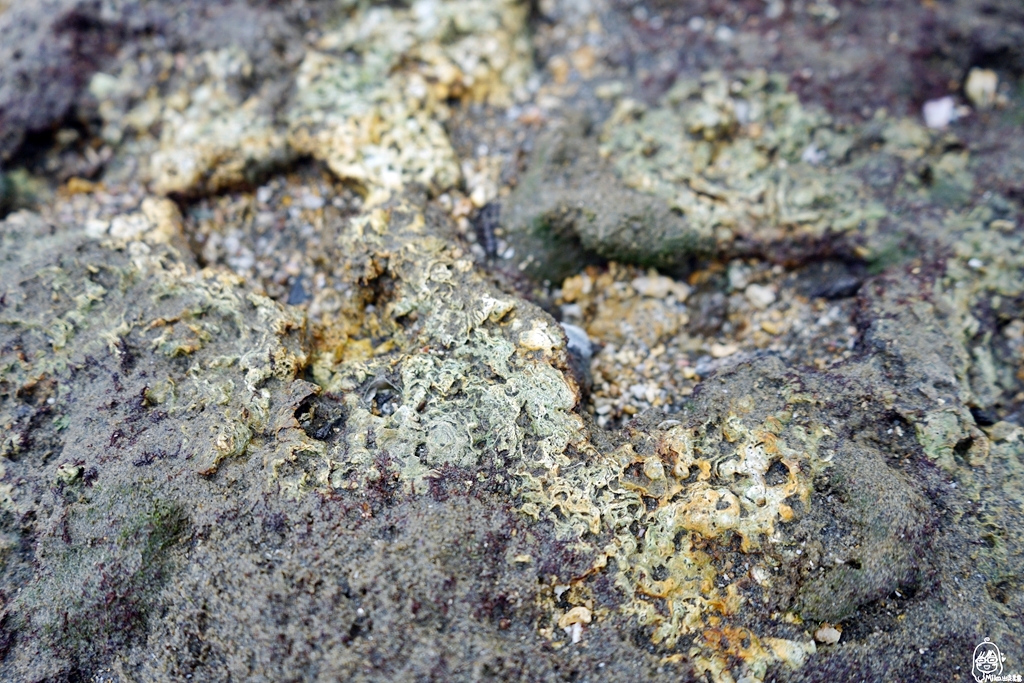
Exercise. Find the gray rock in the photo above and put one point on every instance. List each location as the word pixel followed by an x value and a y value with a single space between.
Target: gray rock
pixel 570 207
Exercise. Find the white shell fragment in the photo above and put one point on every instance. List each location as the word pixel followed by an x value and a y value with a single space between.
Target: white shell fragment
pixel 572 622
pixel 939 113
pixel 981 86
pixel 827 634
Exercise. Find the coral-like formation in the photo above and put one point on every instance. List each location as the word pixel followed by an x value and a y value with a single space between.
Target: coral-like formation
pixel 751 160
pixel 465 375
pixel 279 397
pixel 370 100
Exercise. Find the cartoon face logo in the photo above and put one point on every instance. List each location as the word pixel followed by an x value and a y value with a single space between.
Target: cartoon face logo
pixel 988 661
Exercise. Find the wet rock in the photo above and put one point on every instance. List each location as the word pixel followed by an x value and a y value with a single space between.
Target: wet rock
pixel 709 311
pixel 742 171
pixel 486 223
pixel 396 474
pixel 6 195
pixel 570 202
pixel 974 33
pixel 831 280
pixel 983 417
pixel 759 296
pixel 47 51
pixel 581 351
pixel 882 511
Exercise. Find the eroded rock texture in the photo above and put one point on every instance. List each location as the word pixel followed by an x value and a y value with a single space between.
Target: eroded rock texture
pixel 507 341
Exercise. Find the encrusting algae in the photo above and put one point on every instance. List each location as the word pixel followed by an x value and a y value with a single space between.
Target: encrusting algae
pixel 369 100
pixel 470 378
pixel 136 287
pixel 761 498
pixel 751 160
pixel 372 99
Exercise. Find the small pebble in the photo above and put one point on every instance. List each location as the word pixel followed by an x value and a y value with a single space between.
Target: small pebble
pixel 723 350
pixel 95 228
pixel 656 287
pixel 981 86
pixel 759 296
pixel 813 156
pixel 576 615
pixel 827 635
pixel 578 340
pixel 1004 431
pixel 939 113
pixel 312 202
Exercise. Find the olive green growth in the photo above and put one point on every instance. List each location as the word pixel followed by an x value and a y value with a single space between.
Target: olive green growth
pixel 100 595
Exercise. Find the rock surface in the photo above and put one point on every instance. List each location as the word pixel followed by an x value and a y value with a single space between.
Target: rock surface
pixel 507 341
